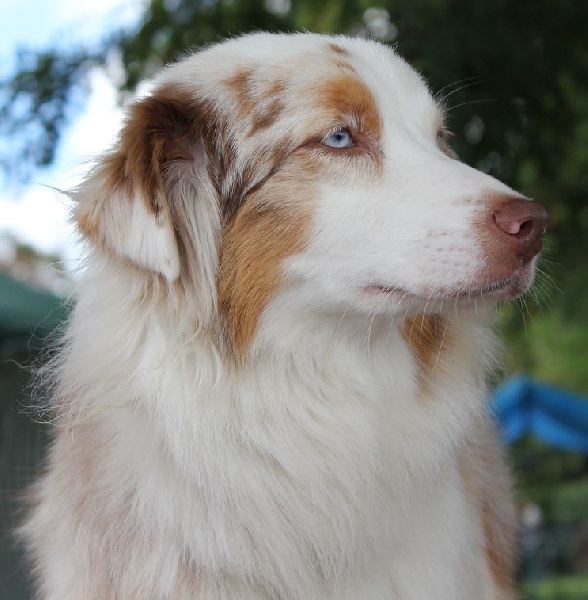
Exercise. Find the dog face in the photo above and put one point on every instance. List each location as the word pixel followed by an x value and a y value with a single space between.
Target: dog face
pixel 310 170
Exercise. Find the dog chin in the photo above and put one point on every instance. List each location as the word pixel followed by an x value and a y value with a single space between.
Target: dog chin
pixel 431 299
pixel 507 288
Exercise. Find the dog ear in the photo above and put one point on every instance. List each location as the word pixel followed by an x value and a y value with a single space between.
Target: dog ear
pixel 125 207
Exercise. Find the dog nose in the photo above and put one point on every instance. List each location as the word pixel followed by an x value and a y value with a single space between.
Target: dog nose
pixel 522 224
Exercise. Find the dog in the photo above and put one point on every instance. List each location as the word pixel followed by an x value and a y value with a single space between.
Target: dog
pixel 272 385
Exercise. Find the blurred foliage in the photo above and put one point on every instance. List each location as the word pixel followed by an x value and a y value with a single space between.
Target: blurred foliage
pixel 513 74
pixel 35 103
pixel 556 480
pixel 550 341
pixel 570 587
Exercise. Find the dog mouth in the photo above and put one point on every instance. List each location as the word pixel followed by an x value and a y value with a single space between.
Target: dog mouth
pixel 495 291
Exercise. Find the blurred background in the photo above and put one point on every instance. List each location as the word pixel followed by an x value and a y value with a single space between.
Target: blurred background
pixel 514 74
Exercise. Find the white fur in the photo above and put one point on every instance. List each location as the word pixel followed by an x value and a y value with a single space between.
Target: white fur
pixel 317 468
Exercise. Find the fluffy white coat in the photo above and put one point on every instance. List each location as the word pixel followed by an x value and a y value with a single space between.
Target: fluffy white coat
pixel 272 384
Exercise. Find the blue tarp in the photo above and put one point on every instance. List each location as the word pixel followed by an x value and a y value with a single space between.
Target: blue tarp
pixel 555 416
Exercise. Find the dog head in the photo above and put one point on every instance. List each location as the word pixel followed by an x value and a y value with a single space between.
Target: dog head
pixel 307 170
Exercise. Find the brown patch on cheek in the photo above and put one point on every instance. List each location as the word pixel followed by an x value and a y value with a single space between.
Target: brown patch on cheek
pixel 269 227
pixel 425 335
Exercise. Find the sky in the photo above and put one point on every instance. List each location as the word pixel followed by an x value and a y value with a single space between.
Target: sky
pixel 36 214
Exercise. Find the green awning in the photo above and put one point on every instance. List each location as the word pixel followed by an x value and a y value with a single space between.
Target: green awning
pixel 26 311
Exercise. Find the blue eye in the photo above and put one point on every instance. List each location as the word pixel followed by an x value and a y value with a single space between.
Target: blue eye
pixel 340 138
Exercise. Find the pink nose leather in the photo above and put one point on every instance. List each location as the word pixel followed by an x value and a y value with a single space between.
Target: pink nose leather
pixel 522 224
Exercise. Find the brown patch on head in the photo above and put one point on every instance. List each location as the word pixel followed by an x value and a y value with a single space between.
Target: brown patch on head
pixel 241 85
pixel 275 88
pixel 341 56
pixel 266 115
pixel 339 50
pixel 255 171
pixel 343 65
pixel 269 106
pixel 351 101
pixel 259 103
pixel 268 228
pixel 425 335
